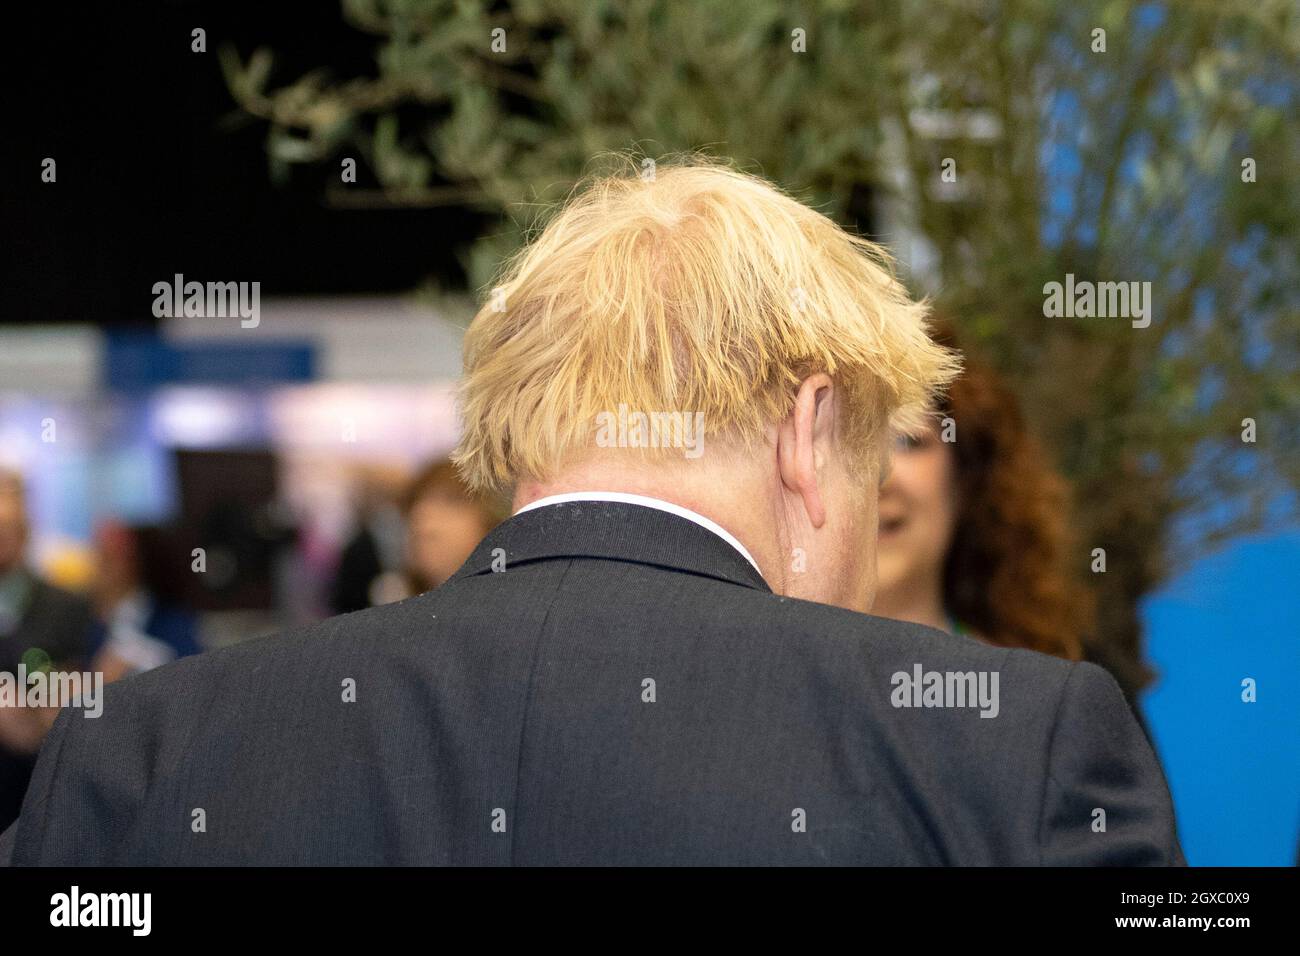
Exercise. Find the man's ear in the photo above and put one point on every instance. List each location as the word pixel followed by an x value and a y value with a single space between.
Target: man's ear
pixel 804 441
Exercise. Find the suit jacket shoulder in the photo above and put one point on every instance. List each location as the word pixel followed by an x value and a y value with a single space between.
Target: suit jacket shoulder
pixel 624 693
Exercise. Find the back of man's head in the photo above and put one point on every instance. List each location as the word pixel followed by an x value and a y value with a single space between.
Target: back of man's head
pixel 693 294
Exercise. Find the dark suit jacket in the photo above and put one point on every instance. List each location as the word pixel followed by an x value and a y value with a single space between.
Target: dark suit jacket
pixel 508 718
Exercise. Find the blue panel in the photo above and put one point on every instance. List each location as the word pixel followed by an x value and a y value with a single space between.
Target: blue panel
pixel 1233 767
pixel 141 361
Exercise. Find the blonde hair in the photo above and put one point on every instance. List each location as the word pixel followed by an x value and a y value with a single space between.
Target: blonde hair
pixel 686 286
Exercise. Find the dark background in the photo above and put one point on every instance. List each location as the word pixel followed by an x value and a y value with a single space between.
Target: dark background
pixel 159 174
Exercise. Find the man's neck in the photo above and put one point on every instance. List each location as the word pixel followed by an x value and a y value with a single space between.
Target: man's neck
pixel 647 501
pixel 685 494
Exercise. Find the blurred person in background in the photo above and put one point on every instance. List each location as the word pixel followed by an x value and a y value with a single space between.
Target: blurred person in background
pixel 444 522
pixel 370 565
pixel 975 532
pixel 40 624
pixel 136 629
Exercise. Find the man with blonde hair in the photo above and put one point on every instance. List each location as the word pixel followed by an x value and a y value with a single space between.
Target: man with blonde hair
pixel 687 382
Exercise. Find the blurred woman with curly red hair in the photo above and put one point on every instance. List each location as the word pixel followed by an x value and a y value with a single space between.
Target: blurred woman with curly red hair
pixel 974 527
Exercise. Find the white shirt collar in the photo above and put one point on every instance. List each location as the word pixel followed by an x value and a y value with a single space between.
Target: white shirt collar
pixel 648 502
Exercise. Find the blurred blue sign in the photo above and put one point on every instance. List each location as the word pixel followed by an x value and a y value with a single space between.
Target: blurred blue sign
pixel 137 362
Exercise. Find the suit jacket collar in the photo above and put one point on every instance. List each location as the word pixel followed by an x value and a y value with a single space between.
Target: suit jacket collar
pixel 616 531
